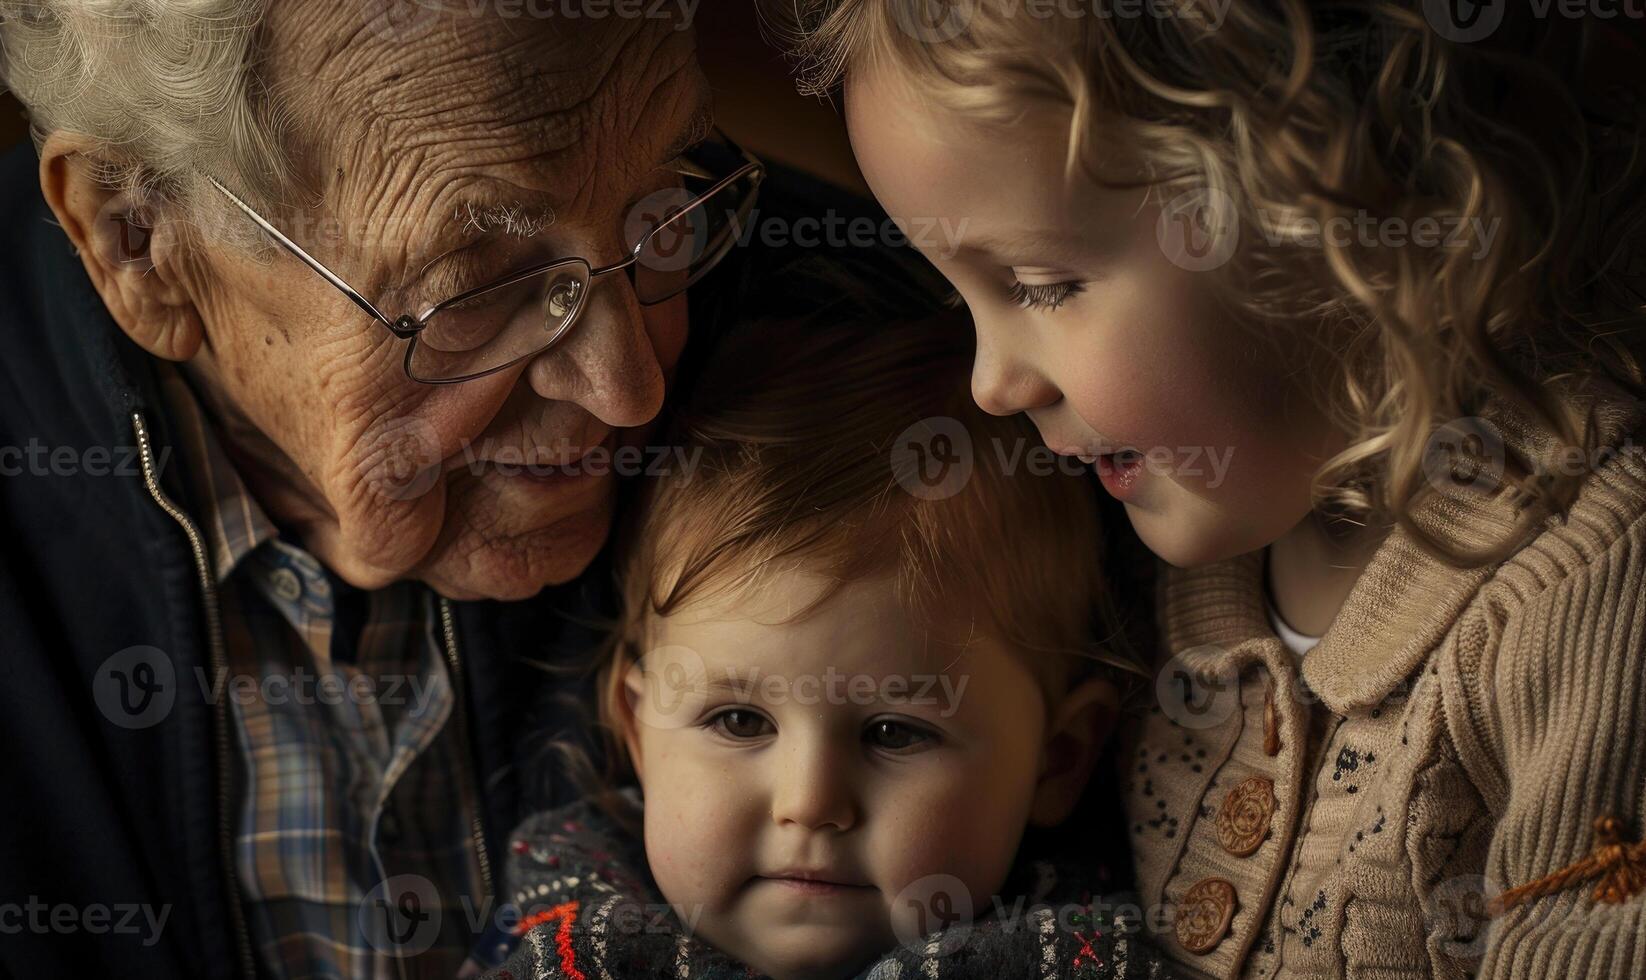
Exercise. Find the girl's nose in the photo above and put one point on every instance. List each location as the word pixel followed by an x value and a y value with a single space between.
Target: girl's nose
pixel 1004 381
pixel 813 789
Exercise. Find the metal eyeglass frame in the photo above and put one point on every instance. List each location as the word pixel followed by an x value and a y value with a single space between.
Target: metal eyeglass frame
pixel 407 327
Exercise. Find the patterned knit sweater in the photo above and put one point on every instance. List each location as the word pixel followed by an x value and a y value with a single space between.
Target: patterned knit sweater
pixel 1454 734
pixel 578 879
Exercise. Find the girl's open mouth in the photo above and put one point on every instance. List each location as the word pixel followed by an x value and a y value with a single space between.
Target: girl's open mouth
pixel 1119 472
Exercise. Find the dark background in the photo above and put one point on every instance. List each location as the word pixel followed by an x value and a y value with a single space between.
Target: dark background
pixel 755 100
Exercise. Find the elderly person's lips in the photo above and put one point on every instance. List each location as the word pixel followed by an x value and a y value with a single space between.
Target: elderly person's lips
pixel 558 467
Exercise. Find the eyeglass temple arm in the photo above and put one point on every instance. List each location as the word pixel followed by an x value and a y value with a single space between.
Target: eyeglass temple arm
pixel 307 259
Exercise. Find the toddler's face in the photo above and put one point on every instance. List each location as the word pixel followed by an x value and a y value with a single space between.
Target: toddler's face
pixel 808 785
pixel 1089 321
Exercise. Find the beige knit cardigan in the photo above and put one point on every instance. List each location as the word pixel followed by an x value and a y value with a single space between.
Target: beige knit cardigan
pixel 1454 734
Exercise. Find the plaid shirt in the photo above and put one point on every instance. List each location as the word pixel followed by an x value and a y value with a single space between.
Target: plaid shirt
pixel 352 842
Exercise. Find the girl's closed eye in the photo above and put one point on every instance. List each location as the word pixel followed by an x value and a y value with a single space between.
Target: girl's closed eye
pixel 898 737
pixel 740 724
pixel 1048 296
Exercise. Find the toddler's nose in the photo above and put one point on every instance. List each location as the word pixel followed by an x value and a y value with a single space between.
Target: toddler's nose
pixel 813 790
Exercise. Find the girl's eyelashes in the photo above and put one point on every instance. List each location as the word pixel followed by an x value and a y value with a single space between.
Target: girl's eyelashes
pixel 898 737
pixel 1047 296
pixel 740 724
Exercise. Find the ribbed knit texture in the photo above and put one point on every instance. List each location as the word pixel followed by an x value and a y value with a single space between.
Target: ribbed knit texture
pixel 1454 734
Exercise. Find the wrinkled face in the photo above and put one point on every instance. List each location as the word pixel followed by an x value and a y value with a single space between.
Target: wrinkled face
pixel 1091 323
pixel 812 785
pixel 451 149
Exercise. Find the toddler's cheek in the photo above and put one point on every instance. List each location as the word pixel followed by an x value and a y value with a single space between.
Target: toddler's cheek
pixel 698 849
pixel 947 868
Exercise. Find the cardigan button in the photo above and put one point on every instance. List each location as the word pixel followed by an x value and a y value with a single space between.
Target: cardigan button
pixel 1243 817
pixel 1204 915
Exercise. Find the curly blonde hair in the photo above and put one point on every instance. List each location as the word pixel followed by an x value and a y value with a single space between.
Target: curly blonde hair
pixel 1529 141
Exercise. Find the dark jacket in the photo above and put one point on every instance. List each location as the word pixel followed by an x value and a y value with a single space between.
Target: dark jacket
pixel 118 818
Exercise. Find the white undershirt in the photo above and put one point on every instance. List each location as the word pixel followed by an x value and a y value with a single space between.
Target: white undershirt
pixel 1295 641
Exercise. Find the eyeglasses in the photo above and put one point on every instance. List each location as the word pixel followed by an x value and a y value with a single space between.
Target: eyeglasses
pixel 484 330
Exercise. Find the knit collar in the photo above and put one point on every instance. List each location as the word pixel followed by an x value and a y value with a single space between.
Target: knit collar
pixel 1406 600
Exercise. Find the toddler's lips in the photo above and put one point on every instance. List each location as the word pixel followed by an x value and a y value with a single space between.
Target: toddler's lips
pixel 814 882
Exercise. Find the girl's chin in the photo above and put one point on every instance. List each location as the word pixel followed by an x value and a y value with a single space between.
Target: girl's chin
pixel 1187 533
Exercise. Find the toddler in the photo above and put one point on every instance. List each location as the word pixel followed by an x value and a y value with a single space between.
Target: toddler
pixel 860 653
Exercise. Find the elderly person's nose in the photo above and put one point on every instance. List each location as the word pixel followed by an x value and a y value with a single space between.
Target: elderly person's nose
pixel 608 363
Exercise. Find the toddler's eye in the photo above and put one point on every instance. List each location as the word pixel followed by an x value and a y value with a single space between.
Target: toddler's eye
pixel 1047 296
pixel 895 736
pixel 741 723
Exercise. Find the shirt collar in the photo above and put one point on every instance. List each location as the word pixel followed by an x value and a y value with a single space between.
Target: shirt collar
pixel 234 524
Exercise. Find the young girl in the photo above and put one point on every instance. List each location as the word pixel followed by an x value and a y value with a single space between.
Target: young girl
pixel 1387 267
pixel 859 662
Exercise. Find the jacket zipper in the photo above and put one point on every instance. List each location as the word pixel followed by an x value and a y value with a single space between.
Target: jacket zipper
pixel 477 827
pixel 219 665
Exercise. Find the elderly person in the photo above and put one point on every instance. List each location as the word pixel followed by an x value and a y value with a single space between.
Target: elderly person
pixel 325 327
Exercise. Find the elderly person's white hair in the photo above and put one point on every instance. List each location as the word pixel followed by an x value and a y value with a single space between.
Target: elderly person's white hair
pixel 163 89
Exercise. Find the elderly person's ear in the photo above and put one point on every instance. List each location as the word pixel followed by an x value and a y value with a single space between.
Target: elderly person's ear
pixel 136 269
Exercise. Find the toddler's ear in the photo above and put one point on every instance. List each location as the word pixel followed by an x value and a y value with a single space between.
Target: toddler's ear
pixel 1080 725
pixel 624 713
